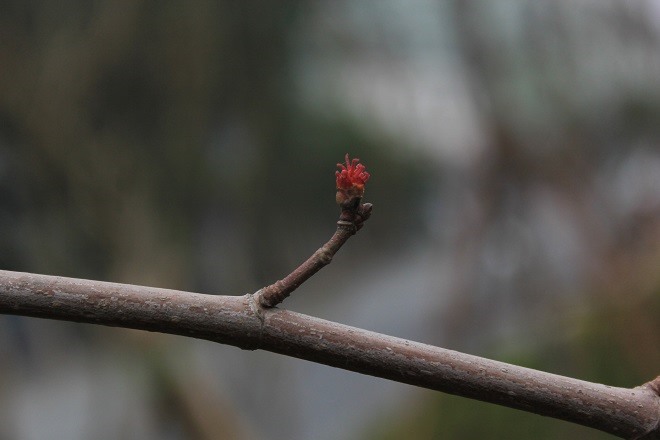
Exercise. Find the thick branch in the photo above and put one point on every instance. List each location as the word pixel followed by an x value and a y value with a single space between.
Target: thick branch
pixel 242 322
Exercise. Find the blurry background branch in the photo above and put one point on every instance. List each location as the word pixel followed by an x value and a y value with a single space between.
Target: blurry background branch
pixel 242 322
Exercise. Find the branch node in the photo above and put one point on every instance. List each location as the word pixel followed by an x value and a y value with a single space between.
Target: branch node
pixel 654 385
pixel 258 311
pixel 272 295
pixel 349 226
pixel 256 307
pixel 324 255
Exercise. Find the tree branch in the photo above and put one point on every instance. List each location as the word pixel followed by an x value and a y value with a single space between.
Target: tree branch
pixel 252 322
pixel 242 321
pixel 353 215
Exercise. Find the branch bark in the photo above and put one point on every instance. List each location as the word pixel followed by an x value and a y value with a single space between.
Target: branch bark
pixel 243 322
pixel 353 215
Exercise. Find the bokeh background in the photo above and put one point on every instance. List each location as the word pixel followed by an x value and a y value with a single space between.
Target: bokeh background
pixel 515 160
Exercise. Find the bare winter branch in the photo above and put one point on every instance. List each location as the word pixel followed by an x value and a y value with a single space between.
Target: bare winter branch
pixel 353 215
pixel 241 321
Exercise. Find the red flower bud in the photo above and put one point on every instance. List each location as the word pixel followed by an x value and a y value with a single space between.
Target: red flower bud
pixel 351 179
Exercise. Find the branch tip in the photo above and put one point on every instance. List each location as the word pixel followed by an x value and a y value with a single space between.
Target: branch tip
pixel 350 179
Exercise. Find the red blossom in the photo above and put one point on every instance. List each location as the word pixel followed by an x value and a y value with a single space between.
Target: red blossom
pixel 351 177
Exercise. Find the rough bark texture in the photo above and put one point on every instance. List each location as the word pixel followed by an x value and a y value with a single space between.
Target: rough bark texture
pixel 242 321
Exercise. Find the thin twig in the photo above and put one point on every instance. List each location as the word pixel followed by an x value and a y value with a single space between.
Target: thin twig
pixel 239 321
pixel 353 215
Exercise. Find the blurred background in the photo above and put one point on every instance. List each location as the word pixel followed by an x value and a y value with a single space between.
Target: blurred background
pixel 515 161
